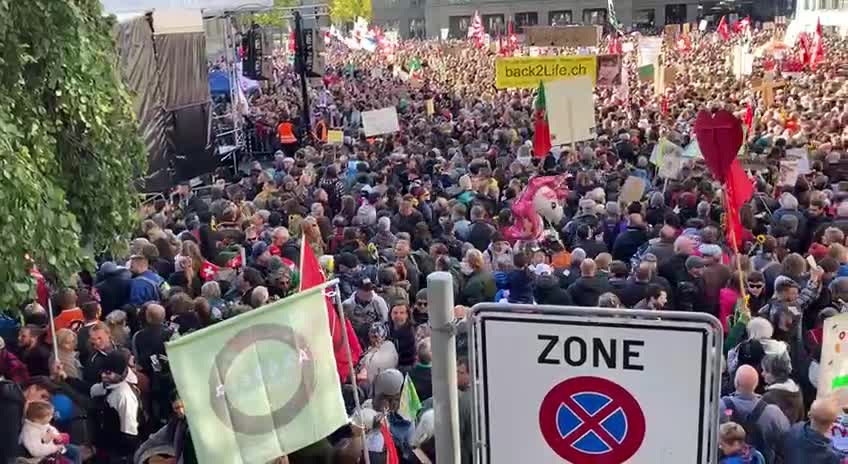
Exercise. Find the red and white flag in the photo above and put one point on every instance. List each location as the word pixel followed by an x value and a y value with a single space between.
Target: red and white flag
pixel 476 31
pixel 818 46
pixel 208 271
pixel 723 29
pixel 311 276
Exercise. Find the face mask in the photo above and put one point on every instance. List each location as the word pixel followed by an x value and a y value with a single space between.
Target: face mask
pixel 465 268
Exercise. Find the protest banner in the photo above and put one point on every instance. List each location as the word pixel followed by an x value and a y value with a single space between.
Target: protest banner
pixel 632 190
pixel 608 73
pixel 768 26
pixel 663 78
pixel 262 384
pixel 686 28
pixel 670 33
pixel 571 113
pixel 646 72
pixel 671 165
pixel 833 369
pixel 803 158
pixel 335 137
pixel 379 122
pixel 742 61
pixel 702 26
pixel 563 36
pixel 788 174
pixel 527 72
pixel 649 50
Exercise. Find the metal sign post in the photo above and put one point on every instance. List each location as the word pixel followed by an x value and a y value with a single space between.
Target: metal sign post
pixel 592 385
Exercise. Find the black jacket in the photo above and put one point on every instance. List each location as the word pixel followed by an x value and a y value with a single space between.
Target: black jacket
pixel 404 339
pixel 674 270
pixel 591 247
pixel 12 412
pixel 480 234
pixel 627 243
pixel 549 292
pixel 114 289
pixel 632 293
pixel 586 290
pixel 422 378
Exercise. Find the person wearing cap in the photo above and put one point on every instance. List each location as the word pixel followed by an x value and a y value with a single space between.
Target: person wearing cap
pixel 118 405
pixel 364 307
pixel 689 294
pixel 715 274
pixel 789 302
pixel 113 286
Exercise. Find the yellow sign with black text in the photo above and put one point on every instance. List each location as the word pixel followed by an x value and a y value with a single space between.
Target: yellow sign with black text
pixel 527 72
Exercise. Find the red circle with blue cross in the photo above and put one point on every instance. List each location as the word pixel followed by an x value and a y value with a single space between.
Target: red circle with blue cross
pixel 591 420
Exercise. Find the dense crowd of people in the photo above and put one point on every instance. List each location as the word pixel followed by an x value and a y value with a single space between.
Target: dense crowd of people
pixel 383 213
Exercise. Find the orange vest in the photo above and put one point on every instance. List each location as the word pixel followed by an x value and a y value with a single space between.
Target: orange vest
pixel 285 131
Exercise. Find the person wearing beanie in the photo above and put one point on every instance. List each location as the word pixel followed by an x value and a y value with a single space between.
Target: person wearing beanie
pixel 384 238
pixel 117 406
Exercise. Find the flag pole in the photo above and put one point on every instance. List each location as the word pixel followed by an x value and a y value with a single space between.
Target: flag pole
pixel 53 330
pixel 343 324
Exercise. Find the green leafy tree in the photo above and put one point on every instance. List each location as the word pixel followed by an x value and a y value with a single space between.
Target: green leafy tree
pixel 69 143
pixel 346 11
pixel 275 18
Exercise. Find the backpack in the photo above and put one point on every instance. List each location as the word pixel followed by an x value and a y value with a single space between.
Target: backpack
pixel 754 435
pixel 159 288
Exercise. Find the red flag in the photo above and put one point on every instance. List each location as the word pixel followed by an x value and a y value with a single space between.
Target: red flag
pixel 541 129
pixel 818 46
pixel 208 271
pixel 614 47
pixel 749 118
pixel 739 189
pixel 723 29
pixel 311 276
pixel 742 25
pixel 391 451
pixel 804 43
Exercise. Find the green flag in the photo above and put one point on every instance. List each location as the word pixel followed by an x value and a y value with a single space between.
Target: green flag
pixel 262 384
pixel 410 404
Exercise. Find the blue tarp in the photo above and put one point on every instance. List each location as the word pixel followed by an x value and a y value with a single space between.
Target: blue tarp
pixel 219 83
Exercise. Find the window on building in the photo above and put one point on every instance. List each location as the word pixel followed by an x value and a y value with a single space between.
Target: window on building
pixel 417 29
pixel 644 18
pixel 595 16
pixel 458 26
pixel 525 19
pixel 675 13
pixel 494 24
pixel 561 17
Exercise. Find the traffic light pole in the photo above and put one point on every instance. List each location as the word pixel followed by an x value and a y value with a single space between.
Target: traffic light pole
pixel 300 67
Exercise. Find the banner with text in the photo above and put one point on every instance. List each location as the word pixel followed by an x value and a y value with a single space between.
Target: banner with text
pixel 527 72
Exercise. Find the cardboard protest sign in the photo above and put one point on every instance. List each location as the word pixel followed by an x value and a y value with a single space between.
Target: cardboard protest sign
pixel 646 73
pixel 833 369
pixel 803 158
pixel 671 165
pixel 608 73
pixel 563 36
pixel 686 28
pixel 632 190
pixel 571 110
pixel 431 107
pixel 788 174
pixel 335 137
pixel 663 78
pixel 382 121
pixel 649 50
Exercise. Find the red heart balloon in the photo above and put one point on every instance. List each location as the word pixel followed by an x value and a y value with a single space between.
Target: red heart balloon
pixel 719 138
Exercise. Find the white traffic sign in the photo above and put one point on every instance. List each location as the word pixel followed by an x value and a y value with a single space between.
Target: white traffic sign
pixel 591 386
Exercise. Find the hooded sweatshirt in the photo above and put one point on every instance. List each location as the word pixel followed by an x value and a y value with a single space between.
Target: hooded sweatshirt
pixel 787 396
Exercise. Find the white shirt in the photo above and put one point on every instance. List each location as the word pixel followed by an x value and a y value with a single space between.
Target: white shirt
pixel 122 399
pixel 33 436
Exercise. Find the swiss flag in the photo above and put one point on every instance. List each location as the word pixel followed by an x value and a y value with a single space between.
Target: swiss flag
pixel 311 276
pixel 723 29
pixel 817 55
pixel 208 271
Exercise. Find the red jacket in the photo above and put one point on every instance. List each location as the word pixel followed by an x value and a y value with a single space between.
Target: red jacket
pixel 12 368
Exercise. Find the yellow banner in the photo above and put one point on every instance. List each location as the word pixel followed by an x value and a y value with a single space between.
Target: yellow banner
pixel 527 72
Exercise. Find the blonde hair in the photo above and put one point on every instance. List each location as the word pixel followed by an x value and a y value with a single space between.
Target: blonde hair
pixel 63 335
pixel 39 410
pixel 731 432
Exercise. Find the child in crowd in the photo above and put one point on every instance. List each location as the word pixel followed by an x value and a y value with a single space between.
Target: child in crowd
pixel 42 440
pixel 734 450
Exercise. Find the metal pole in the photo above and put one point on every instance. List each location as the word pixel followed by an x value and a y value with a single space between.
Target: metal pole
pixel 53 330
pixel 346 342
pixel 300 67
pixel 445 397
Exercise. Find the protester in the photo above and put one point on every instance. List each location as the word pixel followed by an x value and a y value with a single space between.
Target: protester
pixel 445 193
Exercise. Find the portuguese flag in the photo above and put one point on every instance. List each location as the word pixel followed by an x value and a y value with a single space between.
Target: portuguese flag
pixel 541 129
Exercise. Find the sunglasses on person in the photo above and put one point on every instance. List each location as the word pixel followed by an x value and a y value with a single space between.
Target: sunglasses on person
pixel 756 286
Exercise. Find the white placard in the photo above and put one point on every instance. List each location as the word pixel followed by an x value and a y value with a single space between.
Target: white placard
pixel 649 50
pixel 571 110
pixel 703 25
pixel 803 158
pixel 671 165
pixel 379 122
pixel 593 388
pixel 833 370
